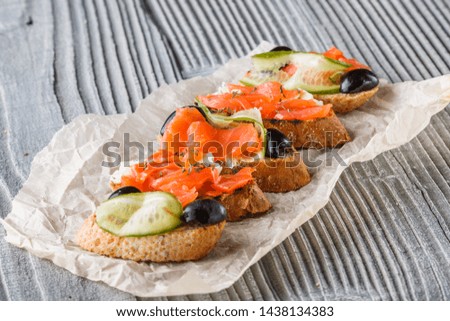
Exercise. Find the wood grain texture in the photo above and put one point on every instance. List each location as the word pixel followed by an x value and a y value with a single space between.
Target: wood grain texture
pixel 385 233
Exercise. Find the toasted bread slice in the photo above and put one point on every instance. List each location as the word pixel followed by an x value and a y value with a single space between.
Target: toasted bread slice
pixel 186 243
pixel 344 103
pixel 277 175
pixel 315 133
pixel 281 175
pixel 247 201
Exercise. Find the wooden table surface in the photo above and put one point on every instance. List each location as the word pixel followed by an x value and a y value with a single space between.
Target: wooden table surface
pixel 385 233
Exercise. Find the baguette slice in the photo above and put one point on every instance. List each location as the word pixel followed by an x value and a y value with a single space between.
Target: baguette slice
pixel 278 175
pixel 245 202
pixel 281 175
pixel 186 243
pixel 344 103
pixel 316 133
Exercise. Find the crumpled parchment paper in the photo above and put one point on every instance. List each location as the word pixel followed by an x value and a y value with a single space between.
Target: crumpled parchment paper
pixel 67 182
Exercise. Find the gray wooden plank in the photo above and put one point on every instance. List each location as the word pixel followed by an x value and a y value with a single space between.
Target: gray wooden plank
pixel 30 115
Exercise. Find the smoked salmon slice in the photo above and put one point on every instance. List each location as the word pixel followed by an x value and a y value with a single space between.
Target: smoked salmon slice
pixel 187 184
pixel 271 98
pixel 190 135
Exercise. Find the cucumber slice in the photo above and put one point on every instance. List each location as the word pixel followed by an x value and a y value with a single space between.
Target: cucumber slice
pixel 253 116
pixel 140 214
pixel 272 60
pixel 315 73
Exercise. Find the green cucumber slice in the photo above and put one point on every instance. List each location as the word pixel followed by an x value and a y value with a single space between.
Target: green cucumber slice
pixel 272 60
pixel 315 73
pixel 253 116
pixel 140 214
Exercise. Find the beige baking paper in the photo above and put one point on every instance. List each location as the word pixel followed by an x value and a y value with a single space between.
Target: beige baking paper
pixel 67 182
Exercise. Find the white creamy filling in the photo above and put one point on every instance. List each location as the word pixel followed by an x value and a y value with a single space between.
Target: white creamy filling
pixel 116 177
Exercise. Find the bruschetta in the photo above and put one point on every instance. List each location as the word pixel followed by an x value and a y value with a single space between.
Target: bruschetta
pixel 330 76
pixel 153 227
pixel 307 122
pixel 234 142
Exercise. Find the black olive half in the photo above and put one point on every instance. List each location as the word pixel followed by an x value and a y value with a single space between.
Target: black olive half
pixel 281 48
pixel 172 115
pixel 200 110
pixel 167 122
pixel 124 190
pixel 205 211
pixel 278 145
pixel 358 80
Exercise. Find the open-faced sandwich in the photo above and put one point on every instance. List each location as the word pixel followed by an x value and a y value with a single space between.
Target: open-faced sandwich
pixel 331 77
pixel 305 121
pixel 234 142
pixel 153 227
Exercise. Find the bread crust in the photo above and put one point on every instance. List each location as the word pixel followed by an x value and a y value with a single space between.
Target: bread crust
pixel 186 243
pixel 315 133
pixel 245 202
pixel 281 175
pixel 344 103
pixel 277 175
